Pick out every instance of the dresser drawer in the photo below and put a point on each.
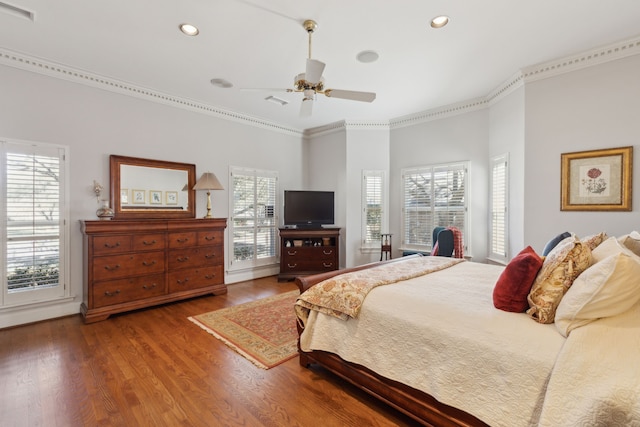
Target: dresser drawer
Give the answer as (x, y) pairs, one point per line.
(124, 290)
(116, 266)
(105, 245)
(182, 240)
(195, 278)
(319, 252)
(293, 265)
(208, 238)
(148, 242)
(195, 257)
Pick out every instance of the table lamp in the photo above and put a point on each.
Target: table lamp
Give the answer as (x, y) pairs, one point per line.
(208, 181)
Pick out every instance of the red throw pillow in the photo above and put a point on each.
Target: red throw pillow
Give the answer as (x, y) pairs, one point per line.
(514, 284)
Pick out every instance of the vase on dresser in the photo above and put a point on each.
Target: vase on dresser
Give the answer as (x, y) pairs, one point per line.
(104, 212)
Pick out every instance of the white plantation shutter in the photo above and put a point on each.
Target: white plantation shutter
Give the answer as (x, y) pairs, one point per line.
(433, 196)
(254, 217)
(33, 223)
(373, 207)
(499, 208)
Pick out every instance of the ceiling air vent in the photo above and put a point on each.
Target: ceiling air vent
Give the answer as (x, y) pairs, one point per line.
(16, 11)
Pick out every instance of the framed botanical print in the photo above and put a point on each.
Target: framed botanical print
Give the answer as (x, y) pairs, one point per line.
(139, 196)
(171, 197)
(597, 180)
(155, 197)
(124, 196)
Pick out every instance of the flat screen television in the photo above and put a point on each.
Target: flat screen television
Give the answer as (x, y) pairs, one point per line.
(308, 209)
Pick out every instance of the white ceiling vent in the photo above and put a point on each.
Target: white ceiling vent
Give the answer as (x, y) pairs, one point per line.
(276, 100)
(16, 11)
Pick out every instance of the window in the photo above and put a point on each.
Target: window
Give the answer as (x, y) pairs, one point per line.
(254, 218)
(433, 196)
(33, 223)
(498, 229)
(374, 212)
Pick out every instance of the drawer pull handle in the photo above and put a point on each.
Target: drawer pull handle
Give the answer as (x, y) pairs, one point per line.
(107, 245)
(183, 258)
(209, 276)
(185, 240)
(292, 252)
(209, 256)
(327, 265)
(148, 264)
(209, 238)
(110, 268)
(327, 252)
(182, 282)
(149, 287)
(112, 294)
(292, 265)
(153, 242)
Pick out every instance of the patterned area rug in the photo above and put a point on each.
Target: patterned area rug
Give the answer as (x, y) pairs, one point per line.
(263, 331)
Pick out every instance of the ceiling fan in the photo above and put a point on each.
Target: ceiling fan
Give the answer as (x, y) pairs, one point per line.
(311, 82)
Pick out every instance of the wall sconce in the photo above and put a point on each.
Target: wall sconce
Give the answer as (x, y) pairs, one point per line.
(208, 181)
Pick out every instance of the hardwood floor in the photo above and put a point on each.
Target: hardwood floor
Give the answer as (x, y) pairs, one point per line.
(153, 367)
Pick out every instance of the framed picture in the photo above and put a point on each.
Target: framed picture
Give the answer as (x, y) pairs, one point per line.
(155, 197)
(124, 196)
(171, 197)
(598, 180)
(139, 196)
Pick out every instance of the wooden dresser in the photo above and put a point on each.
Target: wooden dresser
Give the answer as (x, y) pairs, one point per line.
(130, 264)
(308, 251)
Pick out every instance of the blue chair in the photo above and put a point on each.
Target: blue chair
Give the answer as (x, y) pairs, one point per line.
(444, 237)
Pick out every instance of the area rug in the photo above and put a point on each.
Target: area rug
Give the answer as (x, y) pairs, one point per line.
(263, 331)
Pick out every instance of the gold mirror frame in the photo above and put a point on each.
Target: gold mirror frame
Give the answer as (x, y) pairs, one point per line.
(161, 210)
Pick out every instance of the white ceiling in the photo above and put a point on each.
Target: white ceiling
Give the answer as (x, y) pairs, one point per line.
(261, 44)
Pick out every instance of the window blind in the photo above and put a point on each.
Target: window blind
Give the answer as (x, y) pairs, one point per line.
(499, 207)
(373, 208)
(433, 196)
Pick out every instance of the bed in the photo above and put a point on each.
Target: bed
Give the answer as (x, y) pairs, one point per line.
(431, 343)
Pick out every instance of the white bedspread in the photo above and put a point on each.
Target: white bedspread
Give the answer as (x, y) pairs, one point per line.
(596, 381)
(441, 334)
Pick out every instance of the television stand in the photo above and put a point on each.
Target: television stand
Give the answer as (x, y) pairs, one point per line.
(305, 251)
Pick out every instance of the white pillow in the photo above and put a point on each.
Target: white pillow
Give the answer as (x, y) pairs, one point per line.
(607, 288)
(609, 247)
(631, 241)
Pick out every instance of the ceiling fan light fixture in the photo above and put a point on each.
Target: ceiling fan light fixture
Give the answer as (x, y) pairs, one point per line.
(439, 21)
(189, 29)
(225, 84)
(367, 56)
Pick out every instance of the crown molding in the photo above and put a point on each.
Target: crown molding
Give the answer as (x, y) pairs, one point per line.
(40, 66)
(526, 75)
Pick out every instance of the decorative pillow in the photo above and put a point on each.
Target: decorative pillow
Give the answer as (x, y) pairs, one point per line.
(554, 242)
(560, 268)
(608, 288)
(594, 240)
(611, 246)
(632, 242)
(514, 284)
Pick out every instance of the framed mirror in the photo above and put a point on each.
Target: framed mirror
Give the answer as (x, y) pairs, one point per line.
(148, 189)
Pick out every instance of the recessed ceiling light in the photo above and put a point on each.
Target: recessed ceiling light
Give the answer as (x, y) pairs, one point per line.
(439, 21)
(190, 30)
(367, 56)
(226, 84)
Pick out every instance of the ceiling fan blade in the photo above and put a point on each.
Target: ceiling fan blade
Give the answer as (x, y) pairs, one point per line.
(314, 70)
(306, 107)
(350, 94)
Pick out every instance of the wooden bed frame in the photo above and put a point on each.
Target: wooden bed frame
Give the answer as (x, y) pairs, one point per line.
(418, 405)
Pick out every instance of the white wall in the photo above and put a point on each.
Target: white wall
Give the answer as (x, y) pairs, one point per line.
(327, 172)
(506, 133)
(589, 109)
(458, 138)
(366, 149)
(95, 123)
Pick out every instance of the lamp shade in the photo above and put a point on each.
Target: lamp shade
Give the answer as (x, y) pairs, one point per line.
(208, 181)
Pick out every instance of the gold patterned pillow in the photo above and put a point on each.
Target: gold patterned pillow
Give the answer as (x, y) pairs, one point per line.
(594, 240)
(560, 268)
